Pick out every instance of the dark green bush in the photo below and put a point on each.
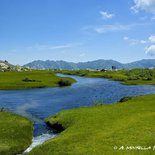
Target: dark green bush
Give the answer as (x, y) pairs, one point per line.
(63, 83)
(2, 109)
(30, 80)
(147, 79)
(133, 78)
(125, 99)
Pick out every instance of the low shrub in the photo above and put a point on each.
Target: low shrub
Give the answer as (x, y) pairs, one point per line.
(147, 79)
(133, 78)
(63, 83)
(125, 99)
(30, 80)
(2, 109)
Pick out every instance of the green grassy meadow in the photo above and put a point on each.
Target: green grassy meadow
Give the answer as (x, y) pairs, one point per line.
(15, 133)
(129, 77)
(37, 79)
(98, 129)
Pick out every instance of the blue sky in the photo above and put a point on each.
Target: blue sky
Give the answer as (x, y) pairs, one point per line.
(76, 30)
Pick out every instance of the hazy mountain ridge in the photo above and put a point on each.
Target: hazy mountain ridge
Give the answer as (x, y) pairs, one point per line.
(97, 64)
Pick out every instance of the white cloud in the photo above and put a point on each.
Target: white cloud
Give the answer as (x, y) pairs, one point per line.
(111, 28)
(82, 54)
(134, 41)
(150, 50)
(146, 5)
(106, 15)
(143, 41)
(125, 38)
(152, 38)
(153, 18)
(52, 47)
(61, 46)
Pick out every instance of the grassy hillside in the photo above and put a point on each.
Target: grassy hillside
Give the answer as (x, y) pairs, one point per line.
(30, 79)
(15, 133)
(97, 130)
(130, 77)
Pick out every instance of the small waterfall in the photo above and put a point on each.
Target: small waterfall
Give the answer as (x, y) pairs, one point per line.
(39, 140)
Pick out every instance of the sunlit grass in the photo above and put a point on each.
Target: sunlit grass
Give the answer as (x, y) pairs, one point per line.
(96, 130)
(39, 79)
(15, 133)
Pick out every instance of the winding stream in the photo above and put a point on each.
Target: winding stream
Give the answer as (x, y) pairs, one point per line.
(37, 104)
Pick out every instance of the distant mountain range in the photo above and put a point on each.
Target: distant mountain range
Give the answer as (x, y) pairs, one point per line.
(97, 64)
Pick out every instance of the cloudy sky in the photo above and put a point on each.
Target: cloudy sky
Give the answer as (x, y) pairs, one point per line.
(77, 30)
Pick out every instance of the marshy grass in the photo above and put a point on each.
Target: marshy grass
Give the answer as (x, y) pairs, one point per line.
(130, 77)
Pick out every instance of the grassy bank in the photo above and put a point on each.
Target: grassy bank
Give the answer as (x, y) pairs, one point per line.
(130, 77)
(15, 133)
(30, 79)
(96, 130)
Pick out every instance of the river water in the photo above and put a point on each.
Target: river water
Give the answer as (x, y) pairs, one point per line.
(37, 104)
